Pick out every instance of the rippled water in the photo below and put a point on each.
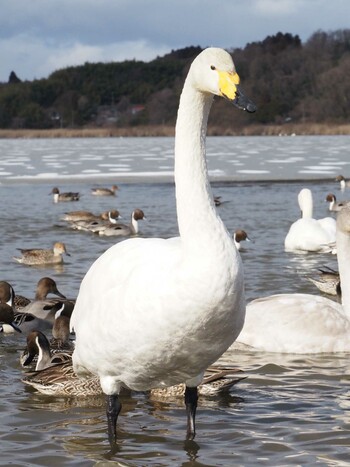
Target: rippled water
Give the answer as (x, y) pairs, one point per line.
(291, 410)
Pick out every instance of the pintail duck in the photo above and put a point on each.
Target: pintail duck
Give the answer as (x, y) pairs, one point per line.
(68, 196)
(7, 319)
(26, 322)
(61, 330)
(328, 282)
(75, 216)
(37, 257)
(47, 309)
(104, 191)
(239, 236)
(61, 380)
(308, 234)
(333, 205)
(39, 352)
(343, 183)
(45, 286)
(124, 229)
(192, 286)
(97, 225)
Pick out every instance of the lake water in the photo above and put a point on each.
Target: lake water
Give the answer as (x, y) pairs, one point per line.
(290, 410)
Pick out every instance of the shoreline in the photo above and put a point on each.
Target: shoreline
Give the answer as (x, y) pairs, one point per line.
(302, 129)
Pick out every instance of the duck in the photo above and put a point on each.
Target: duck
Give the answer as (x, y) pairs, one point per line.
(44, 287)
(68, 196)
(38, 350)
(23, 321)
(333, 205)
(328, 281)
(239, 236)
(308, 234)
(39, 256)
(7, 319)
(105, 191)
(216, 380)
(47, 309)
(97, 225)
(218, 201)
(60, 380)
(123, 229)
(75, 216)
(176, 304)
(304, 323)
(60, 330)
(343, 183)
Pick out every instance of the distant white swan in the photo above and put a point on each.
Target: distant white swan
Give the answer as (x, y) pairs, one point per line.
(308, 234)
(155, 312)
(303, 323)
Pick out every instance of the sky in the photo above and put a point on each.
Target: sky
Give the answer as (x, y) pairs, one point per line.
(38, 37)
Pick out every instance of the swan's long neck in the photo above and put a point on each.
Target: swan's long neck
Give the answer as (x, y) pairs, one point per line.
(197, 218)
(307, 209)
(343, 248)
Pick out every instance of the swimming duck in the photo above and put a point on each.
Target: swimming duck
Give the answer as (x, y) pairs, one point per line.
(123, 229)
(308, 234)
(176, 304)
(239, 236)
(303, 323)
(61, 330)
(97, 225)
(24, 321)
(7, 319)
(38, 350)
(343, 184)
(68, 196)
(105, 191)
(74, 216)
(328, 282)
(37, 256)
(60, 380)
(333, 205)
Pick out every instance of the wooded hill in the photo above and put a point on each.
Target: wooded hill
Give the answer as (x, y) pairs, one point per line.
(290, 81)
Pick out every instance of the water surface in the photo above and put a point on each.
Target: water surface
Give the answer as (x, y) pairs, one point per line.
(290, 410)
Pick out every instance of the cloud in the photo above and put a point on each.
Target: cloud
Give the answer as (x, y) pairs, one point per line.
(277, 7)
(35, 59)
(39, 36)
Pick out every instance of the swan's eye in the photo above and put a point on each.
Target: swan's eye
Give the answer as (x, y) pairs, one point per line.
(213, 67)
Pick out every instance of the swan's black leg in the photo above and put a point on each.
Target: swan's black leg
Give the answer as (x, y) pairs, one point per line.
(191, 398)
(113, 409)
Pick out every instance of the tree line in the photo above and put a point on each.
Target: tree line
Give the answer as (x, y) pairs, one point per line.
(287, 79)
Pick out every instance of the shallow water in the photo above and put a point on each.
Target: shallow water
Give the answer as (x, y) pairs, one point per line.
(291, 410)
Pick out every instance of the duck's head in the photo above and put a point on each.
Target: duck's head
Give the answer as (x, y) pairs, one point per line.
(213, 71)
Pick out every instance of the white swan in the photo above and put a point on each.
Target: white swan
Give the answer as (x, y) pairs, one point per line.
(308, 234)
(303, 323)
(155, 312)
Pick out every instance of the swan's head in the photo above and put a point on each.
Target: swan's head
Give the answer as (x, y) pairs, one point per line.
(213, 71)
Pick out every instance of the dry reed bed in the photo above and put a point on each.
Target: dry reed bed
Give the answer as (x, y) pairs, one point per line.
(142, 131)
